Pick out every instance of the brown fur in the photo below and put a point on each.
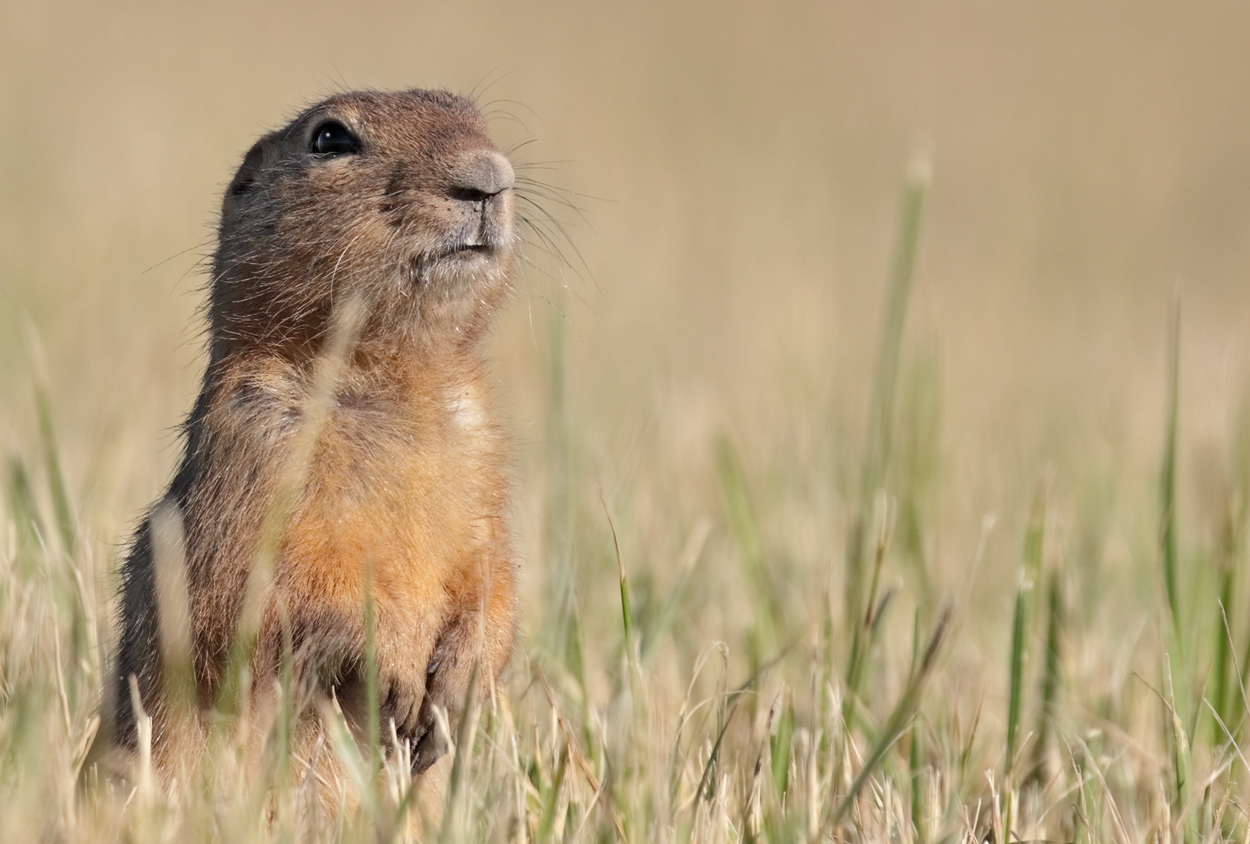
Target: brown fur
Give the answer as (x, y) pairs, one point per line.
(408, 476)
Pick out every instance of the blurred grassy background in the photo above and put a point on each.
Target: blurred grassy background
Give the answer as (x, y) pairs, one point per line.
(744, 162)
(739, 166)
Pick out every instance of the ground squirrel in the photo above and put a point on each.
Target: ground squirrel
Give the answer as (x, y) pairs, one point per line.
(400, 202)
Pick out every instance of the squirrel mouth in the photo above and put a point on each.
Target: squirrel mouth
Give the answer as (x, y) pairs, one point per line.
(480, 248)
(463, 251)
(479, 241)
(458, 255)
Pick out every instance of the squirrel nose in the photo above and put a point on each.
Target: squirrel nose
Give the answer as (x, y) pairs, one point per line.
(482, 174)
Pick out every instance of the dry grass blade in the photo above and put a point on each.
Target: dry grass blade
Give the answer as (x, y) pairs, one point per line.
(348, 319)
(174, 616)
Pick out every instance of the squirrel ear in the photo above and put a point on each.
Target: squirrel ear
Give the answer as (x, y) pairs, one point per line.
(255, 161)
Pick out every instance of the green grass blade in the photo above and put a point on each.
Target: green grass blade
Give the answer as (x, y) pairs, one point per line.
(52, 465)
(686, 564)
(551, 798)
(746, 532)
(627, 622)
(1226, 698)
(1050, 679)
(559, 523)
(1015, 694)
(886, 377)
(881, 414)
(902, 716)
(23, 509)
(915, 754)
(1178, 743)
(864, 633)
(1021, 636)
(1223, 669)
(1169, 542)
(781, 747)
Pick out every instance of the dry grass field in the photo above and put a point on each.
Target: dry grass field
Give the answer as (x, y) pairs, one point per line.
(814, 547)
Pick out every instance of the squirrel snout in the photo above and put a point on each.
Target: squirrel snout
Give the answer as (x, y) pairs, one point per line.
(481, 174)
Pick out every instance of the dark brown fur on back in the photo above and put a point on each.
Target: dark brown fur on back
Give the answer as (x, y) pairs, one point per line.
(408, 208)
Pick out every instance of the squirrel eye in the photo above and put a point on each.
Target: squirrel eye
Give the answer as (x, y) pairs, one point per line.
(333, 138)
